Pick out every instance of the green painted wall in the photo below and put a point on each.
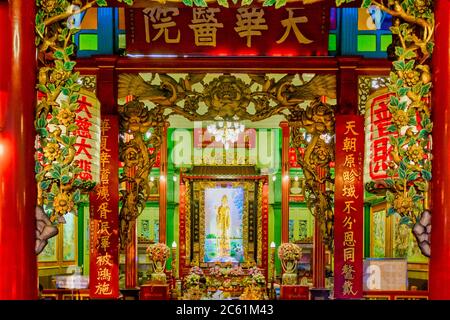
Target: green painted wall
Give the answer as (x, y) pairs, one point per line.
(86, 243)
(366, 230)
(80, 234)
(172, 195)
(277, 233)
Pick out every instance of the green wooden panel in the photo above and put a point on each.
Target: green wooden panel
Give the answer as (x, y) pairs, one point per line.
(277, 234)
(80, 234)
(88, 42)
(367, 43)
(385, 41)
(367, 231)
(332, 42)
(122, 41)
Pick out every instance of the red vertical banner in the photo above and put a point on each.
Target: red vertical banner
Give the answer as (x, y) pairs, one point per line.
(104, 214)
(265, 227)
(285, 181)
(349, 207)
(182, 227)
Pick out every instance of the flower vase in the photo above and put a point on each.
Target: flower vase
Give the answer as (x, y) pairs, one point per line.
(290, 272)
(158, 275)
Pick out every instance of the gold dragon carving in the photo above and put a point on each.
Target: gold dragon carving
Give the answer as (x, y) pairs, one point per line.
(312, 136)
(136, 124)
(226, 96)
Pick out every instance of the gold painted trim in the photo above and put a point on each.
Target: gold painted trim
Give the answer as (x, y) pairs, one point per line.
(410, 297)
(371, 297)
(259, 221)
(187, 224)
(224, 69)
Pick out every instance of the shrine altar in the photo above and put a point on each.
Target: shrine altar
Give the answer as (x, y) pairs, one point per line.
(226, 282)
(223, 218)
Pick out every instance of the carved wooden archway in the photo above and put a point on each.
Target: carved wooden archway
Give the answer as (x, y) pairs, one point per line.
(226, 97)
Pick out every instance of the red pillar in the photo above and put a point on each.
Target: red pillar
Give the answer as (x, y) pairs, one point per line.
(131, 258)
(439, 275)
(319, 250)
(163, 186)
(285, 182)
(18, 266)
(5, 55)
(347, 85)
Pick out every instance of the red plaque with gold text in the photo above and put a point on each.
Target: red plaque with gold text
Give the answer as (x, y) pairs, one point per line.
(216, 31)
(104, 200)
(349, 207)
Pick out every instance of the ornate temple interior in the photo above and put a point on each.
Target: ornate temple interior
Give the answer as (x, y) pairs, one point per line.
(258, 165)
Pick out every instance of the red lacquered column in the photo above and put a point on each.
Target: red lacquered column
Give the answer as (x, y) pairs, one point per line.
(439, 275)
(285, 182)
(319, 248)
(131, 259)
(163, 186)
(5, 57)
(18, 266)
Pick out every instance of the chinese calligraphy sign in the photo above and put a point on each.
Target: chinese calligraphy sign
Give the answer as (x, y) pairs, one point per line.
(378, 147)
(349, 207)
(216, 31)
(104, 237)
(88, 136)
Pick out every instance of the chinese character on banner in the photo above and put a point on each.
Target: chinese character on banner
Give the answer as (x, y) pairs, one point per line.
(212, 31)
(87, 145)
(349, 207)
(378, 148)
(205, 24)
(250, 22)
(162, 22)
(291, 24)
(104, 242)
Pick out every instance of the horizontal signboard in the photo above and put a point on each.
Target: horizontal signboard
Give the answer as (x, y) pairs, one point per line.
(215, 31)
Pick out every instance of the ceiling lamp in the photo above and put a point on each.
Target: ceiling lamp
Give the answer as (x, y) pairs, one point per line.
(226, 131)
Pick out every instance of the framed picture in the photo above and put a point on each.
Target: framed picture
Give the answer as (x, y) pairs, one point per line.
(50, 252)
(224, 212)
(154, 189)
(145, 229)
(69, 247)
(224, 223)
(301, 224)
(156, 230)
(296, 189)
(148, 225)
(291, 230)
(302, 229)
(378, 245)
(305, 263)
